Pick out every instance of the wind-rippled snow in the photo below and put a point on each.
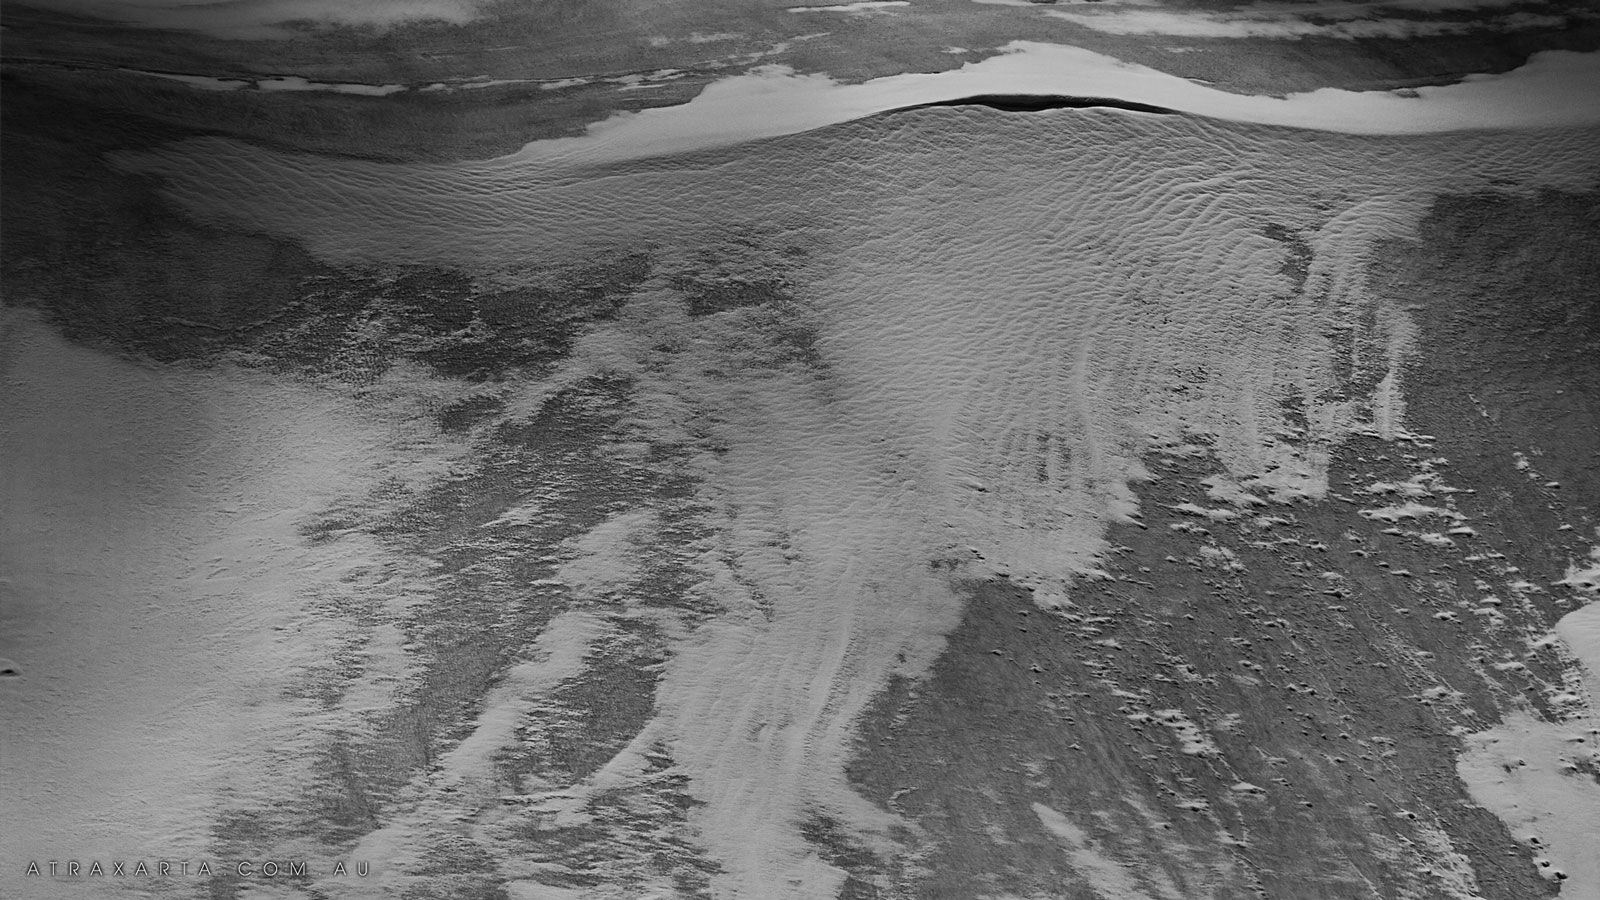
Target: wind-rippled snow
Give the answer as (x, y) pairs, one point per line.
(1010, 310)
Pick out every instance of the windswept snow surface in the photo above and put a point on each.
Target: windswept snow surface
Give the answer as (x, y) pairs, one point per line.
(161, 603)
(995, 318)
(1107, 876)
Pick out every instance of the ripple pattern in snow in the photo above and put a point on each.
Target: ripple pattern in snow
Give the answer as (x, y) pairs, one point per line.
(1008, 314)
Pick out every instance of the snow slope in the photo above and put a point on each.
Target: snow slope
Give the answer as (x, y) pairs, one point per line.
(1008, 314)
(161, 602)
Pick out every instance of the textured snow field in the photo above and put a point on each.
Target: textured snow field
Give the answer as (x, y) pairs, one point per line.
(160, 601)
(1011, 310)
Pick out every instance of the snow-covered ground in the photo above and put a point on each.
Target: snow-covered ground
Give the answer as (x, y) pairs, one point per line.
(1009, 314)
(161, 603)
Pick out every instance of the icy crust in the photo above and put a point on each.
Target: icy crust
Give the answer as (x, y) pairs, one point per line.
(1002, 317)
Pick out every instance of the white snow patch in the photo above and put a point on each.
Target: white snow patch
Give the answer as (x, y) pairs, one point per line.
(1524, 771)
(1521, 770)
(1192, 739)
(1418, 485)
(1387, 406)
(863, 6)
(1584, 577)
(1221, 557)
(1580, 631)
(1106, 875)
(605, 559)
(202, 82)
(563, 83)
(1225, 490)
(1215, 515)
(465, 781)
(1408, 510)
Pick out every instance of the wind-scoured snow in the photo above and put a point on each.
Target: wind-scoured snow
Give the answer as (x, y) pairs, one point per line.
(1108, 877)
(464, 783)
(997, 318)
(161, 602)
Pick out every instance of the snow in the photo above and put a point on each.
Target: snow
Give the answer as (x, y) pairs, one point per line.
(1225, 490)
(257, 19)
(1387, 406)
(862, 6)
(774, 100)
(296, 83)
(465, 780)
(1416, 486)
(1584, 576)
(1193, 741)
(1007, 319)
(1579, 630)
(603, 560)
(1339, 21)
(1105, 875)
(1010, 312)
(1523, 771)
(158, 596)
(1408, 510)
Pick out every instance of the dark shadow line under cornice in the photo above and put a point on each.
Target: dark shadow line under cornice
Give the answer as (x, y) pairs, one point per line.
(1038, 103)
